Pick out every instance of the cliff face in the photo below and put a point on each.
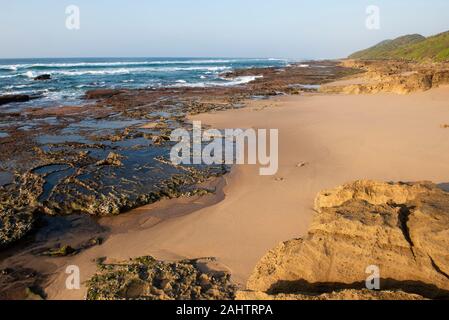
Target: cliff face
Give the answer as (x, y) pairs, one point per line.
(403, 229)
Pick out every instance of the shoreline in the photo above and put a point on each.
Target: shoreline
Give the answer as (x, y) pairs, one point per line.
(325, 140)
(238, 230)
(101, 144)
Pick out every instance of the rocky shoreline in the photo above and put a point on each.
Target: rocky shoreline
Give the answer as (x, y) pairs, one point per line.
(401, 77)
(110, 155)
(401, 228)
(78, 163)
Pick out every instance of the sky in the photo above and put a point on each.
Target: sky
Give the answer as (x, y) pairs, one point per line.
(296, 29)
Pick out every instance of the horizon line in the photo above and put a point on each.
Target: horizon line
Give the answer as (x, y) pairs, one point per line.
(153, 57)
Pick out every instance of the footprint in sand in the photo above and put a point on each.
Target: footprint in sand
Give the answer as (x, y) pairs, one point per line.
(302, 164)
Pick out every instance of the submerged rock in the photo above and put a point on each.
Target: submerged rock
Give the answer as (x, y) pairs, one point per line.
(42, 77)
(403, 229)
(113, 159)
(102, 93)
(148, 279)
(14, 98)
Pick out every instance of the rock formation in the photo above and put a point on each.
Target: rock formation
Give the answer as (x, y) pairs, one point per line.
(148, 279)
(102, 93)
(340, 295)
(14, 98)
(17, 207)
(392, 76)
(402, 228)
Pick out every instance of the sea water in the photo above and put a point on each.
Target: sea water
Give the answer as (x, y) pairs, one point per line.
(70, 78)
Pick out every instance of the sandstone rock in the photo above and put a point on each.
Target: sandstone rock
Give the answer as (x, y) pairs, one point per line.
(376, 193)
(340, 295)
(401, 228)
(392, 76)
(113, 159)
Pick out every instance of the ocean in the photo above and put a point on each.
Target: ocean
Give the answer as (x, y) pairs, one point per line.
(70, 78)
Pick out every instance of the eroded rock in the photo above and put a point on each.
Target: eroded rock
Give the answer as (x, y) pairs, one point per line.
(113, 159)
(148, 279)
(401, 228)
(14, 98)
(340, 295)
(18, 203)
(391, 76)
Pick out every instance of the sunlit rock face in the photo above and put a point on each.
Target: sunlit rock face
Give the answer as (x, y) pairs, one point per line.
(403, 229)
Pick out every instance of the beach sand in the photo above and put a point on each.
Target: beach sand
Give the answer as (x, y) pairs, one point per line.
(337, 138)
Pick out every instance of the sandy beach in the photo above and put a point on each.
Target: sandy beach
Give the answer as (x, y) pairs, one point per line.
(325, 140)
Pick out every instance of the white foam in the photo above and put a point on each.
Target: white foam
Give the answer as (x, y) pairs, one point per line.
(15, 67)
(9, 67)
(229, 82)
(29, 74)
(137, 70)
(112, 64)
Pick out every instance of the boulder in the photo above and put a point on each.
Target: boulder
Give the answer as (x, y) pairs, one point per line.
(401, 228)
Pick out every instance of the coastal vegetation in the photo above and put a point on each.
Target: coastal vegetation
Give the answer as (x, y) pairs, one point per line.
(412, 47)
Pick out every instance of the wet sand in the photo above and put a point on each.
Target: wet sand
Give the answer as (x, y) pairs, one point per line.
(339, 138)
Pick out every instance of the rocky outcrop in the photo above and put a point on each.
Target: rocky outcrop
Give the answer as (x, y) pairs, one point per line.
(14, 98)
(403, 229)
(340, 295)
(102, 93)
(21, 284)
(392, 76)
(18, 203)
(149, 279)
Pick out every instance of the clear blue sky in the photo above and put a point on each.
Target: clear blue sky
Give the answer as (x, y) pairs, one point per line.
(221, 28)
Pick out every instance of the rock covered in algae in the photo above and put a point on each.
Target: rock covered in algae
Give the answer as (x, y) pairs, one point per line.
(18, 202)
(146, 278)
